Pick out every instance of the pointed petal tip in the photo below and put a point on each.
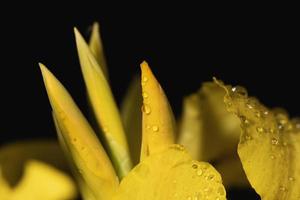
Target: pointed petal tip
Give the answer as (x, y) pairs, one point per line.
(45, 71)
(146, 70)
(144, 65)
(96, 26)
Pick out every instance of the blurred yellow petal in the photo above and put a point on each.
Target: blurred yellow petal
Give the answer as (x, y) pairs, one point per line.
(210, 133)
(171, 174)
(20, 175)
(5, 190)
(14, 156)
(104, 107)
(269, 146)
(132, 118)
(191, 127)
(87, 152)
(41, 181)
(219, 131)
(96, 47)
(158, 119)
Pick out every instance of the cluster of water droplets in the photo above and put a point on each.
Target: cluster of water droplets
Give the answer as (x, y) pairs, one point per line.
(210, 191)
(258, 121)
(146, 107)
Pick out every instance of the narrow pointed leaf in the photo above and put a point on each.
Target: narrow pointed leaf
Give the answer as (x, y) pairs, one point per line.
(105, 108)
(269, 146)
(87, 152)
(96, 47)
(171, 174)
(132, 118)
(158, 119)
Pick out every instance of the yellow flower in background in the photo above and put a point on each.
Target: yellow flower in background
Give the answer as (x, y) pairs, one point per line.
(148, 154)
(34, 170)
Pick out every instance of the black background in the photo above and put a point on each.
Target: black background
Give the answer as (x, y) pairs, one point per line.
(252, 45)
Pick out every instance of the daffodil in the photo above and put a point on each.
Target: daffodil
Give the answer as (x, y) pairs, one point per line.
(104, 169)
(142, 152)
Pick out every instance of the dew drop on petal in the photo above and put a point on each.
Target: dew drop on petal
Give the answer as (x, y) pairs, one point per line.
(146, 109)
(155, 128)
(274, 141)
(239, 91)
(145, 95)
(199, 172)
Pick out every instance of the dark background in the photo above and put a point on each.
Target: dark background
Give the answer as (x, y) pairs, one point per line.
(253, 46)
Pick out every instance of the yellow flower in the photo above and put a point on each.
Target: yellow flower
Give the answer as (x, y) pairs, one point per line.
(141, 152)
(104, 170)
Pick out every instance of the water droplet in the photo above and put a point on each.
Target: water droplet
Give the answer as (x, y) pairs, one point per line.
(282, 188)
(296, 123)
(291, 179)
(260, 129)
(145, 79)
(178, 147)
(248, 137)
(274, 141)
(199, 172)
(266, 112)
(148, 126)
(244, 120)
(251, 103)
(145, 95)
(239, 91)
(210, 177)
(257, 114)
(221, 191)
(146, 109)
(155, 128)
(105, 129)
(272, 157)
(194, 166)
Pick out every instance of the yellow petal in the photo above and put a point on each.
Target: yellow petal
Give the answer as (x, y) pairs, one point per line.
(14, 156)
(171, 174)
(20, 175)
(158, 119)
(269, 146)
(41, 181)
(96, 47)
(132, 118)
(87, 152)
(5, 190)
(104, 107)
(191, 127)
(219, 130)
(210, 133)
